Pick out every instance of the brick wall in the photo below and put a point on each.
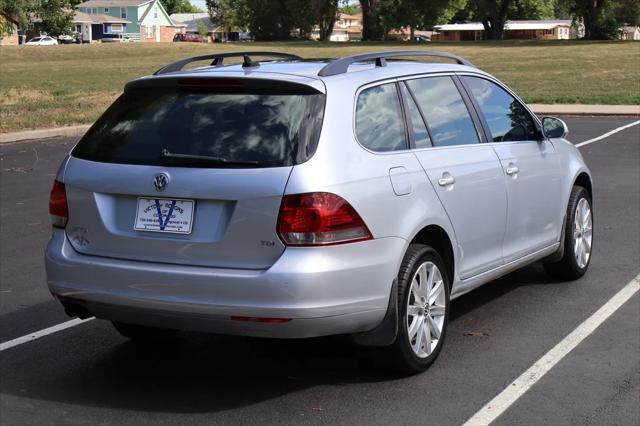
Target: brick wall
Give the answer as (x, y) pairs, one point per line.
(166, 34)
(11, 40)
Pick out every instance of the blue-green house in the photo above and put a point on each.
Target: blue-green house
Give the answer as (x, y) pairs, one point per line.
(144, 20)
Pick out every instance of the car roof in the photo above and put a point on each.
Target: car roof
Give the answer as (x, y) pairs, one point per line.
(306, 71)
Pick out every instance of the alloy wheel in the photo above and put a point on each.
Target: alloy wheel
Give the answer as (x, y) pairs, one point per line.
(426, 309)
(582, 233)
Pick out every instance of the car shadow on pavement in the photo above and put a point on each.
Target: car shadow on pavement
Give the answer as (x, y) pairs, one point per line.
(531, 275)
(91, 365)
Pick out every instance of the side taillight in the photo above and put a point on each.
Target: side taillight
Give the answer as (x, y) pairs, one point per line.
(58, 205)
(319, 218)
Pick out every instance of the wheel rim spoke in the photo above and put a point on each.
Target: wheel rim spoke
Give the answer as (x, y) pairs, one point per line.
(429, 283)
(586, 220)
(413, 310)
(434, 328)
(415, 326)
(436, 290)
(419, 337)
(576, 248)
(437, 311)
(426, 337)
(422, 278)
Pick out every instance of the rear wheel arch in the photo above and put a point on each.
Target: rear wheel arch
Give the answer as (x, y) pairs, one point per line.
(437, 238)
(386, 332)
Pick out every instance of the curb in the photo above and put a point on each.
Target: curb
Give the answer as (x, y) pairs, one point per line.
(539, 109)
(70, 131)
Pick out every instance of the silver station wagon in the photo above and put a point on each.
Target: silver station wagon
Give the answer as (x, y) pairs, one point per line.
(295, 198)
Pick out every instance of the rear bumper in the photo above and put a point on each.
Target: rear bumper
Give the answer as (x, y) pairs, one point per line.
(324, 290)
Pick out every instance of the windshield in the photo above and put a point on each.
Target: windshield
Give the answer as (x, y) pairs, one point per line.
(258, 129)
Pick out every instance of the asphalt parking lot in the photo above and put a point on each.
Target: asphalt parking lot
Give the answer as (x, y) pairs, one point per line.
(88, 374)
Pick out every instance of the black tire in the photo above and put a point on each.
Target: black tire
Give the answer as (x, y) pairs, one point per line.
(568, 268)
(404, 357)
(143, 333)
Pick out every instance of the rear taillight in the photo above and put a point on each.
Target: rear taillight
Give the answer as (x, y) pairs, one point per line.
(58, 205)
(319, 218)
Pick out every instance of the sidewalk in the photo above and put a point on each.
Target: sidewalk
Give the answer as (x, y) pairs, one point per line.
(578, 109)
(540, 109)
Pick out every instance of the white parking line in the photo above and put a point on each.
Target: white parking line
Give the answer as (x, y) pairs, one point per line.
(498, 405)
(42, 333)
(606, 135)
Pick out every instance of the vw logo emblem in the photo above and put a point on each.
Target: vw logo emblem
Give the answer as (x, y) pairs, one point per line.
(161, 181)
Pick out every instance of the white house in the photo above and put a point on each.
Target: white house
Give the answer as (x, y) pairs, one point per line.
(554, 29)
(629, 33)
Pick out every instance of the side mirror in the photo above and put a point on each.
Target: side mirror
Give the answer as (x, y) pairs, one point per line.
(553, 127)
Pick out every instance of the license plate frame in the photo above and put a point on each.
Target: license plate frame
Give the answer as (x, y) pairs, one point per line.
(148, 219)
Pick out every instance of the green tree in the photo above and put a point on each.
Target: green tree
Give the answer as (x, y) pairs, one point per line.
(202, 30)
(372, 27)
(418, 14)
(323, 13)
(349, 9)
(179, 6)
(18, 10)
(627, 12)
(532, 9)
(56, 16)
(599, 16)
(492, 14)
(274, 19)
(229, 13)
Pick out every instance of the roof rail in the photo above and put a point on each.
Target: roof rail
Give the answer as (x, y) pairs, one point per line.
(218, 59)
(340, 66)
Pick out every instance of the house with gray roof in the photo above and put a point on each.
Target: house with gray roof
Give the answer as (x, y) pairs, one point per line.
(147, 20)
(94, 27)
(191, 22)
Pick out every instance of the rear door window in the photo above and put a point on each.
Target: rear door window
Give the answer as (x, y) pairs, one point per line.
(507, 119)
(379, 121)
(444, 109)
(421, 137)
(255, 128)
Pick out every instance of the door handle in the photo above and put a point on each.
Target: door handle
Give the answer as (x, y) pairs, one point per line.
(446, 180)
(512, 170)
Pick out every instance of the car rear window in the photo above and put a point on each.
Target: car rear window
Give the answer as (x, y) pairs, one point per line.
(246, 128)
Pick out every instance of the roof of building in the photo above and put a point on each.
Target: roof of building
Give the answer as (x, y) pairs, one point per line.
(98, 18)
(346, 16)
(629, 29)
(113, 3)
(509, 25)
(191, 21)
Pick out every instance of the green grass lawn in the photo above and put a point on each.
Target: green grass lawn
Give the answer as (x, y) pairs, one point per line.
(47, 86)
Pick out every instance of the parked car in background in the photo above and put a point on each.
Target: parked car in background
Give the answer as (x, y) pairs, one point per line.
(187, 38)
(419, 39)
(68, 39)
(42, 41)
(295, 199)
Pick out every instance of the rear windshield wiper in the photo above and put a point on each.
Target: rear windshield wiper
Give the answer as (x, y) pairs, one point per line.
(206, 159)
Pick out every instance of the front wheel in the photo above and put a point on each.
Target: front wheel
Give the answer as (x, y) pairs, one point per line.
(423, 309)
(578, 238)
